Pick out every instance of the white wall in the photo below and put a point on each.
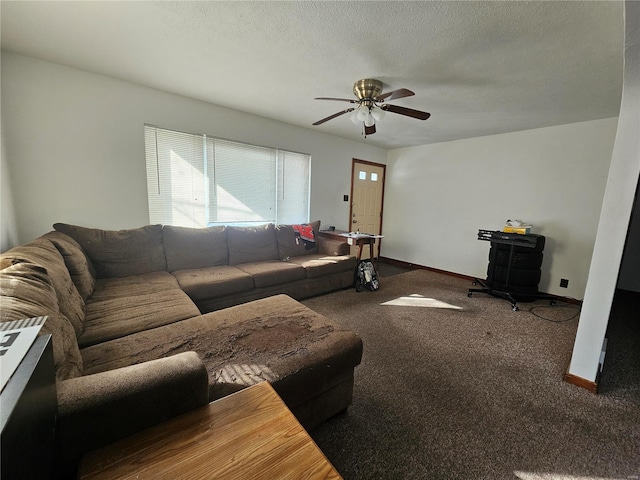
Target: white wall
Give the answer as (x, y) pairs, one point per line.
(616, 211)
(8, 227)
(75, 146)
(439, 195)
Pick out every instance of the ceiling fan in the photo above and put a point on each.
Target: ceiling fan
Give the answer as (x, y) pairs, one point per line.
(371, 106)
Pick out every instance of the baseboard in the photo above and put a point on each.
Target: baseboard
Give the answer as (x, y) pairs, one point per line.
(581, 382)
(414, 266)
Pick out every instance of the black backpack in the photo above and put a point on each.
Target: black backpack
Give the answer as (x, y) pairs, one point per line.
(366, 277)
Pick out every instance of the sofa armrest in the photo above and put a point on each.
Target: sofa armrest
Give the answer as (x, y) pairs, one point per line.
(95, 410)
(332, 246)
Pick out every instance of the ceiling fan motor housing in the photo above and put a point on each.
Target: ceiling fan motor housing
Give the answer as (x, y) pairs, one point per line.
(367, 89)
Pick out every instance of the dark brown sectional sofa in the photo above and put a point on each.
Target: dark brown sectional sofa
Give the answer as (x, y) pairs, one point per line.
(151, 322)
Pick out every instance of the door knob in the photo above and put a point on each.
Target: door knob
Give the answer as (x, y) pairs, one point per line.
(354, 221)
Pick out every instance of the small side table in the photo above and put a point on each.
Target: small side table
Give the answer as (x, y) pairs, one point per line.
(248, 434)
(358, 239)
(28, 411)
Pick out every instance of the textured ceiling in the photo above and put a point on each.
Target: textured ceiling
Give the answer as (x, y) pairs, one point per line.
(479, 68)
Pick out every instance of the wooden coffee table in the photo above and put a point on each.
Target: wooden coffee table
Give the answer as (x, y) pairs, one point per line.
(250, 434)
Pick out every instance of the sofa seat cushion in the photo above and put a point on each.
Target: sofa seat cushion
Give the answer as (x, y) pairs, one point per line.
(118, 317)
(112, 288)
(299, 351)
(120, 253)
(201, 283)
(321, 265)
(269, 273)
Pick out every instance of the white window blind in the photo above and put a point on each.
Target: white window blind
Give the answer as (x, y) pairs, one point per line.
(197, 180)
(244, 189)
(176, 178)
(294, 176)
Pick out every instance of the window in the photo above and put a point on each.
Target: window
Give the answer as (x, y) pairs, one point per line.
(362, 175)
(196, 181)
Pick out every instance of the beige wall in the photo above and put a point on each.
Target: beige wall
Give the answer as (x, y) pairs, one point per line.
(439, 196)
(8, 227)
(75, 146)
(75, 152)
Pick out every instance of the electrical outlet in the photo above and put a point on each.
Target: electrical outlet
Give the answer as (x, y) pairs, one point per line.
(564, 283)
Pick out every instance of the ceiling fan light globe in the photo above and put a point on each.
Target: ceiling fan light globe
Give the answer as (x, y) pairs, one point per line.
(377, 113)
(369, 121)
(362, 114)
(354, 117)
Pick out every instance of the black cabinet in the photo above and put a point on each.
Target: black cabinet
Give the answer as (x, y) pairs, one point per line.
(28, 409)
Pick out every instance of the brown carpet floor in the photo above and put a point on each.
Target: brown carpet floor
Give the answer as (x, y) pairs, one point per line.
(469, 389)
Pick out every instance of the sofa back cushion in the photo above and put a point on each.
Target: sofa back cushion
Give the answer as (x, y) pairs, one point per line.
(43, 253)
(26, 291)
(189, 248)
(252, 244)
(120, 253)
(289, 245)
(81, 269)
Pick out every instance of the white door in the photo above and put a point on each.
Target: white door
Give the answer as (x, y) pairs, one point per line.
(367, 192)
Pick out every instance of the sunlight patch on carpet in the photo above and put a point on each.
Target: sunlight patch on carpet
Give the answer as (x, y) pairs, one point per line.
(416, 300)
(563, 476)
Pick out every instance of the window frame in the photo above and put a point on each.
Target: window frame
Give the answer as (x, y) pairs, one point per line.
(168, 208)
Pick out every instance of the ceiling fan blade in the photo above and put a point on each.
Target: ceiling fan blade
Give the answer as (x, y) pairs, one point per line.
(400, 93)
(409, 112)
(319, 122)
(369, 130)
(337, 99)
